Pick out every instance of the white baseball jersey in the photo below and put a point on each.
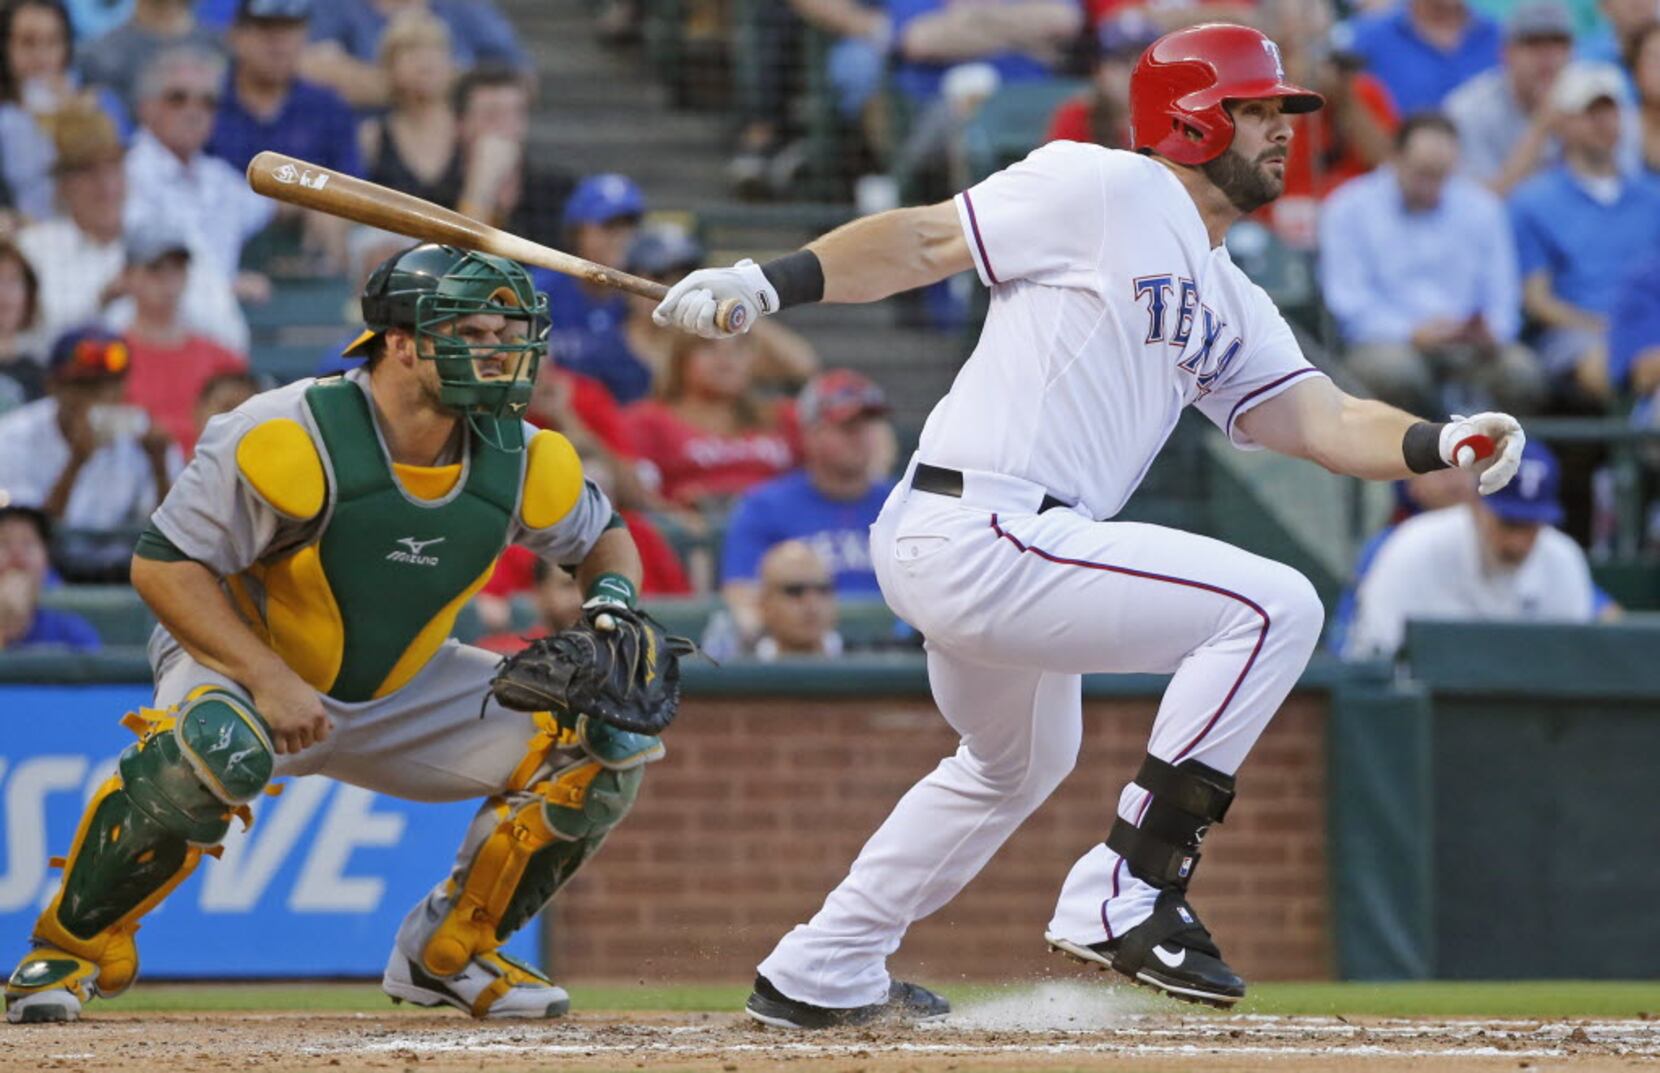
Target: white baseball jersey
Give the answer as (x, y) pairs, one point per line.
(1431, 568)
(1110, 312)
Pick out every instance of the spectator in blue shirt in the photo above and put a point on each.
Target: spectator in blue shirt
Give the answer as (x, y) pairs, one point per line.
(345, 41)
(267, 106)
(1418, 266)
(828, 504)
(24, 623)
(600, 221)
(1023, 39)
(1423, 49)
(1634, 338)
(1579, 226)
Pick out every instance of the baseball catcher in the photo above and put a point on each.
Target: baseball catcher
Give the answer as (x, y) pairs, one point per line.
(306, 570)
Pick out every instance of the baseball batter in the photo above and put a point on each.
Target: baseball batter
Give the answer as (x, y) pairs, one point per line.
(1114, 305)
(306, 569)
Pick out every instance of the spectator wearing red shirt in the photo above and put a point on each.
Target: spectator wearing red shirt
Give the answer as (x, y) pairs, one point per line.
(1350, 136)
(170, 364)
(1101, 114)
(709, 438)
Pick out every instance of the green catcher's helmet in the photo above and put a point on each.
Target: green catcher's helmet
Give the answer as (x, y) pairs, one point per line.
(423, 289)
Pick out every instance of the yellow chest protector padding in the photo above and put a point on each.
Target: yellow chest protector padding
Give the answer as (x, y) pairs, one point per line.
(553, 480)
(280, 463)
(427, 482)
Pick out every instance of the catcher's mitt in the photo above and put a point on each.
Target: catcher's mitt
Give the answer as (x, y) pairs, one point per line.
(628, 676)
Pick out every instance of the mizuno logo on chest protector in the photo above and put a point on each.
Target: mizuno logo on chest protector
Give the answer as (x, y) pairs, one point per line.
(413, 552)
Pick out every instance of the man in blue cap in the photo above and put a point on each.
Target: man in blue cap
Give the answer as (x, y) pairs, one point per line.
(601, 219)
(1498, 558)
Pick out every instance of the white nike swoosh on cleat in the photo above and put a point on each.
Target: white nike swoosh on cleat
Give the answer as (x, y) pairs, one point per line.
(1169, 961)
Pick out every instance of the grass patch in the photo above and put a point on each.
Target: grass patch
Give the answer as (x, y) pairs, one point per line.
(1529, 998)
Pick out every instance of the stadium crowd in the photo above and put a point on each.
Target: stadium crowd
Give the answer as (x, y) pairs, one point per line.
(1479, 204)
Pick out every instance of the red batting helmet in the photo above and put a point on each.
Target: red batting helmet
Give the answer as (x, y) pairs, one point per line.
(1184, 77)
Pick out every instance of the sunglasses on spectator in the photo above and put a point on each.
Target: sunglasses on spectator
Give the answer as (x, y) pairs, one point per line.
(178, 98)
(795, 590)
(96, 358)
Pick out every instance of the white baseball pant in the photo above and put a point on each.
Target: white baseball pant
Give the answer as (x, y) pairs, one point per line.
(1016, 606)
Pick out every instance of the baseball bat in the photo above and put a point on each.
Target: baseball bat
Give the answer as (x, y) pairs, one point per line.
(1472, 449)
(312, 186)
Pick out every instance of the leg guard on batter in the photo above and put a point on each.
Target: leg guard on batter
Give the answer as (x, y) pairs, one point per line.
(172, 799)
(1170, 950)
(575, 786)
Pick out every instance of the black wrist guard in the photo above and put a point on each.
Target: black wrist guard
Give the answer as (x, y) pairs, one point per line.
(797, 277)
(1421, 447)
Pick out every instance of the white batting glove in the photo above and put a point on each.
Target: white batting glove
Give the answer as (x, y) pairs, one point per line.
(690, 304)
(1493, 470)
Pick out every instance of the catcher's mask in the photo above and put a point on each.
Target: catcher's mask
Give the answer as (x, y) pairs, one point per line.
(428, 290)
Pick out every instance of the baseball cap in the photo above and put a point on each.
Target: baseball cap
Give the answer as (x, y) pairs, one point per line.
(83, 354)
(1581, 85)
(33, 515)
(83, 135)
(150, 241)
(839, 395)
(1536, 20)
(599, 199)
(273, 10)
(659, 251)
(1533, 493)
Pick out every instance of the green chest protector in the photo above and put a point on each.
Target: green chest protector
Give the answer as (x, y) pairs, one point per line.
(397, 566)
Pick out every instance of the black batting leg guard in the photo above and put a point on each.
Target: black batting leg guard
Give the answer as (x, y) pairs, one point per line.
(1171, 950)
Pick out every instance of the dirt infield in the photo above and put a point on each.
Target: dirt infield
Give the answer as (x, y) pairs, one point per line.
(1049, 1030)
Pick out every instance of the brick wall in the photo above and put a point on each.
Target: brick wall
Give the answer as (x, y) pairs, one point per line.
(762, 805)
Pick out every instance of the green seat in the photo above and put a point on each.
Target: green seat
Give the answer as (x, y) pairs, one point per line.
(115, 611)
(286, 361)
(1012, 122)
(321, 301)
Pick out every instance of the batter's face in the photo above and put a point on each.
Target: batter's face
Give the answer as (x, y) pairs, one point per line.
(1252, 171)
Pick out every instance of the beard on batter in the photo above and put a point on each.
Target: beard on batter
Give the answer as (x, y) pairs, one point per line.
(1248, 184)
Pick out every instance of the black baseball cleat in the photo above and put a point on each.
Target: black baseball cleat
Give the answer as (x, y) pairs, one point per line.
(906, 1003)
(1170, 951)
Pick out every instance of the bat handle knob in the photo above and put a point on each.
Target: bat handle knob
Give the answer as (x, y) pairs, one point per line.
(1472, 449)
(732, 315)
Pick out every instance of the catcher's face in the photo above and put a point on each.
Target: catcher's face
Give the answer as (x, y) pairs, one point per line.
(495, 342)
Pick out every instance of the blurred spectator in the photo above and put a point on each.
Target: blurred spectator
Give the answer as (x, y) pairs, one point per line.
(558, 601)
(1101, 114)
(1626, 19)
(783, 358)
(797, 605)
(78, 257)
(1023, 40)
(1168, 15)
(22, 376)
(1423, 49)
(268, 106)
(80, 455)
(24, 538)
(116, 59)
(828, 504)
(502, 184)
(1579, 225)
(171, 180)
(1418, 266)
(222, 393)
(1495, 558)
(415, 145)
(346, 40)
(36, 83)
(601, 219)
(770, 55)
(170, 363)
(709, 438)
(1645, 72)
(1506, 126)
(1350, 136)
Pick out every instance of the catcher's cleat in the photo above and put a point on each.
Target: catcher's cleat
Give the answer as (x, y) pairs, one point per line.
(905, 1003)
(1170, 951)
(492, 985)
(50, 985)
